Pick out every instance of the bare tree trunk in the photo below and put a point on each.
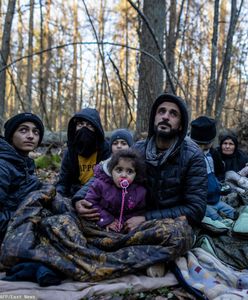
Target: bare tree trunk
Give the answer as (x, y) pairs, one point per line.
(183, 35)
(48, 59)
(241, 92)
(227, 58)
(150, 73)
(58, 115)
(99, 78)
(198, 93)
(75, 64)
(30, 56)
(5, 55)
(81, 80)
(44, 71)
(124, 119)
(41, 85)
(212, 83)
(20, 66)
(171, 41)
(1, 11)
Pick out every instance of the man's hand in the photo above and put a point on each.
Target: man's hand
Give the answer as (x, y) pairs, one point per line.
(84, 210)
(114, 226)
(133, 222)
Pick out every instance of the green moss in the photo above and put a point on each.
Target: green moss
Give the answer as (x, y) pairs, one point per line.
(48, 161)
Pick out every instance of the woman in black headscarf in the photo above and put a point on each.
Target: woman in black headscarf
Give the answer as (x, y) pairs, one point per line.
(234, 158)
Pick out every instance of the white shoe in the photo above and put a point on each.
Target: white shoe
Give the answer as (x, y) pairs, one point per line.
(157, 270)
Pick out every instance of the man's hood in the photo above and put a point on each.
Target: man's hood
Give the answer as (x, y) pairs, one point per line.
(89, 114)
(183, 109)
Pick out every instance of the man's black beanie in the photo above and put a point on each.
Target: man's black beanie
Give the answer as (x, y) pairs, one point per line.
(203, 130)
(11, 125)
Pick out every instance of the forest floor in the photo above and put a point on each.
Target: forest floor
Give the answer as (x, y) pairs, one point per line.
(175, 293)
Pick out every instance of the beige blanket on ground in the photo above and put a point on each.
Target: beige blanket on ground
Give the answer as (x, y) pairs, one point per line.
(199, 268)
(79, 290)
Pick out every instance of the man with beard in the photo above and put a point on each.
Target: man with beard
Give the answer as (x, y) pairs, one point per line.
(86, 147)
(177, 181)
(176, 170)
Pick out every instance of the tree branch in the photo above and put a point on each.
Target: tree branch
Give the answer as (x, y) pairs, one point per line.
(122, 89)
(81, 43)
(102, 59)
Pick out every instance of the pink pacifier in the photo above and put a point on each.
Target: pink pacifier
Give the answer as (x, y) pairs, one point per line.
(124, 183)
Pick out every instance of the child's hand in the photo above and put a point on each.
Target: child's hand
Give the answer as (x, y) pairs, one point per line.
(114, 226)
(134, 222)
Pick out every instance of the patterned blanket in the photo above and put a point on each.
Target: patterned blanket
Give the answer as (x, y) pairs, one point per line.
(46, 229)
(214, 278)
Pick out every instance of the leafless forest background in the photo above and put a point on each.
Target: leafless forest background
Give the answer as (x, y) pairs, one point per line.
(119, 55)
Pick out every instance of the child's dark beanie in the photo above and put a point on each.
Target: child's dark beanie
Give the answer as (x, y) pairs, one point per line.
(11, 125)
(123, 134)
